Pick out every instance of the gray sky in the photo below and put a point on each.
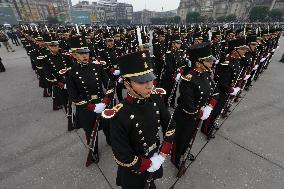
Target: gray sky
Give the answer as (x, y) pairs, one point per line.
(150, 4)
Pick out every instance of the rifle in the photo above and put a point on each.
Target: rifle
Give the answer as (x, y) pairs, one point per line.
(93, 138)
(91, 146)
(172, 93)
(70, 115)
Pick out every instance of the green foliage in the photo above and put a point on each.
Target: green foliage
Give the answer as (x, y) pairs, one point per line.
(165, 20)
(275, 15)
(111, 22)
(123, 22)
(194, 17)
(259, 13)
(52, 20)
(229, 18)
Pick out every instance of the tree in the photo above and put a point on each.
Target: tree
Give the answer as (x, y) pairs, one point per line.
(176, 19)
(52, 20)
(275, 15)
(221, 19)
(111, 22)
(231, 18)
(193, 17)
(123, 22)
(258, 13)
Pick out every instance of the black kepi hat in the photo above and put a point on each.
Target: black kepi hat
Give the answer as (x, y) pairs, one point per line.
(200, 51)
(136, 66)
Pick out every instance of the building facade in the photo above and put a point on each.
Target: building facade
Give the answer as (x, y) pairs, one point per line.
(217, 8)
(106, 10)
(39, 10)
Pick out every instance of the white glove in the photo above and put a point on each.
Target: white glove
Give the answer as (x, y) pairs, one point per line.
(96, 62)
(273, 50)
(99, 108)
(120, 80)
(263, 59)
(277, 47)
(255, 67)
(157, 161)
(247, 77)
(65, 87)
(116, 72)
(268, 55)
(178, 77)
(217, 61)
(206, 112)
(236, 90)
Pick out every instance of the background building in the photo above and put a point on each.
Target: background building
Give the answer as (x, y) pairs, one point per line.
(38, 10)
(107, 10)
(217, 8)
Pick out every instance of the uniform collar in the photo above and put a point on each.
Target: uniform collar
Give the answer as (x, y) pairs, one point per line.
(84, 64)
(135, 100)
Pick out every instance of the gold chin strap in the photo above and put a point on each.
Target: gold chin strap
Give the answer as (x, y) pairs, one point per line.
(134, 90)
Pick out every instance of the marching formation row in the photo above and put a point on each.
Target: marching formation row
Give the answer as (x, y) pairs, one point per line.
(199, 71)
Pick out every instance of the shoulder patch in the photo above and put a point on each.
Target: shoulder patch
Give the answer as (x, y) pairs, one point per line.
(63, 71)
(110, 113)
(159, 91)
(187, 77)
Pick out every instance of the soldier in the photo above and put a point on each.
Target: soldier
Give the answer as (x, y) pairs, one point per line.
(135, 125)
(40, 53)
(196, 88)
(228, 73)
(85, 82)
(174, 64)
(55, 68)
(159, 50)
(253, 54)
(109, 57)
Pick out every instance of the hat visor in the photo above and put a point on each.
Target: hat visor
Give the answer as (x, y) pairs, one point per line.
(82, 50)
(211, 59)
(144, 78)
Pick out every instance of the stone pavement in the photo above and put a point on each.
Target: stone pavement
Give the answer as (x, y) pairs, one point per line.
(38, 152)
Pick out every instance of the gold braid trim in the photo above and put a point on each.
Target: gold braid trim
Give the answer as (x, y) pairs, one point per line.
(80, 103)
(126, 164)
(171, 132)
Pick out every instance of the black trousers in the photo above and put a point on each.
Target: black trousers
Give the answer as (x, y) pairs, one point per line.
(186, 126)
(2, 68)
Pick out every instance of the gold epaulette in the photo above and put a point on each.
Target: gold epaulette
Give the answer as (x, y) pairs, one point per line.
(159, 91)
(110, 113)
(188, 77)
(225, 63)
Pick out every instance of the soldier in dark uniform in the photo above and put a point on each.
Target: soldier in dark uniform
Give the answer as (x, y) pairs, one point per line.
(215, 39)
(63, 42)
(119, 44)
(40, 53)
(159, 50)
(174, 67)
(135, 125)
(85, 82)
(109, 57)
(196, 88)
(55, 68)
(253, 55)
(197, 38)
(228, 75)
